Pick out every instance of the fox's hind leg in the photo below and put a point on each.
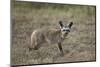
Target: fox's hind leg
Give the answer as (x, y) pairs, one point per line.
(34, 44)
(33, 47)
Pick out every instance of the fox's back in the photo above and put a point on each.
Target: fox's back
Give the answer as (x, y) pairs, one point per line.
(50, 35)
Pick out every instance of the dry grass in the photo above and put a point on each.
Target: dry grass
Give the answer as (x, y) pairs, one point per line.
(79, 45)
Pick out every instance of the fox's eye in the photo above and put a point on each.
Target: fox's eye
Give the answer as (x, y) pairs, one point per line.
(64, 30)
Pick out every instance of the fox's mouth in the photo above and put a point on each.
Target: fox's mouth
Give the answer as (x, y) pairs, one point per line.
(64, 35)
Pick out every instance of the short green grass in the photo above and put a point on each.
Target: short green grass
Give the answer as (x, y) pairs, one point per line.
(78, 46)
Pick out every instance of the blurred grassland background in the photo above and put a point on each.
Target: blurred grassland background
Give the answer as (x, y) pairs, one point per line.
(80, 44)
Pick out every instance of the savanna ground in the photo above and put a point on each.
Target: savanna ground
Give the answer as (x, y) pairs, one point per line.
(80, 43)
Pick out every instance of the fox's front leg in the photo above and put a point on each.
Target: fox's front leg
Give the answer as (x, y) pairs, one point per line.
(60, 48)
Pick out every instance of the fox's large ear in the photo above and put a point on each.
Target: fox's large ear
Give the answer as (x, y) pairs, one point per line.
(60, 23)
(70, 25)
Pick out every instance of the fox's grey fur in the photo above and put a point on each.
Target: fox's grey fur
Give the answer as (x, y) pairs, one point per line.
(50, 36)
